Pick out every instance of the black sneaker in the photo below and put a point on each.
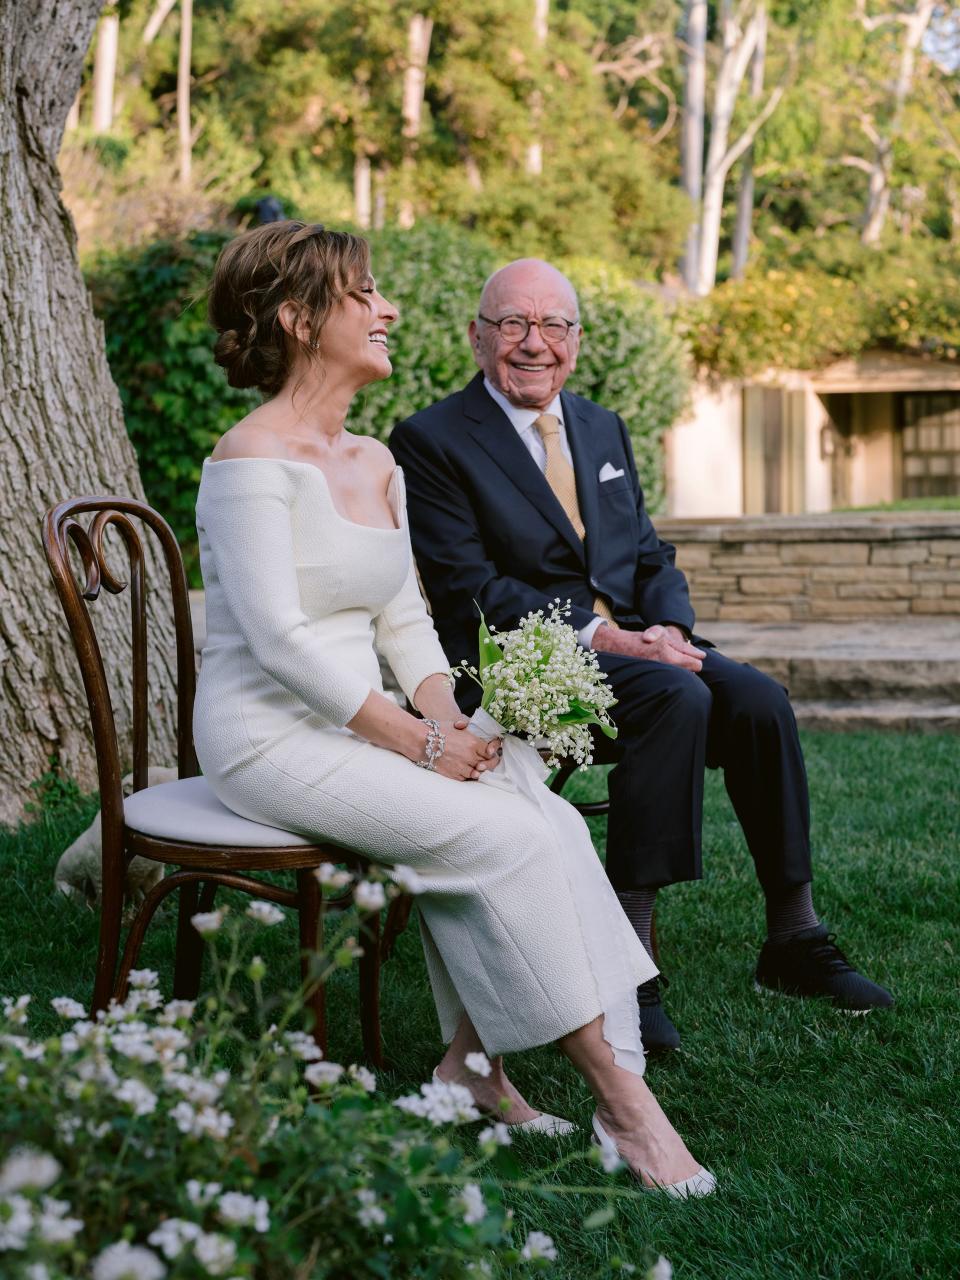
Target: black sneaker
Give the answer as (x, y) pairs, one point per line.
(658, 1032)
(811, 964)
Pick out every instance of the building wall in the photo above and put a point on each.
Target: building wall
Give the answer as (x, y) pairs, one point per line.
(704, 455)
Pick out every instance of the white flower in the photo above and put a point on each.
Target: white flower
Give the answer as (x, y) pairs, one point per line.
(124, 1261)
(539, 1245)
(53, 1226)
(478, 1063)
(474, 1207)
(15, 1011)
(661, 1270)
(215, 1252)
(369, 895)
(328, 875)
(303, 1046)
(408, 879)
(131, 1041)
(27, 1048)
(172, 1235)
(237, 1209)
(135, 1094)
(37, 1271)
(141, 979)
(168, 1042)
(440, 1103)
(16, 1220)
(202, 1193)
(175, 1010)
(363, 1077)
(318, 1073)
(203, 1091)
(498, 1134)
(207, 923)
(370, 1214)
(609, 1158)
(264, 912)
(68, 1008)
(27, 1167)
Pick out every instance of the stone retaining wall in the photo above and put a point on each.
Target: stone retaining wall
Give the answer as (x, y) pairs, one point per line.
(796, 568)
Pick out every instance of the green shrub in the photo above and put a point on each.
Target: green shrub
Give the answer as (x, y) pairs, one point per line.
(177, 401)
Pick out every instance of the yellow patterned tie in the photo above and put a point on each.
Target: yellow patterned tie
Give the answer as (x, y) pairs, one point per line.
(563, 482)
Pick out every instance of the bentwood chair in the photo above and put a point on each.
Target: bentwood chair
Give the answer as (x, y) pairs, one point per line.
(182, 823)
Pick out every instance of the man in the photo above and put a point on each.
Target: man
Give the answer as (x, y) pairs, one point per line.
(520, 492)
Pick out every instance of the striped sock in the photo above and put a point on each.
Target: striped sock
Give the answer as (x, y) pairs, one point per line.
(638, 905)
(789, 912)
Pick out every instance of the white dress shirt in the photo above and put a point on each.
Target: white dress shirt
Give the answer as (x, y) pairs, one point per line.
(522, 421)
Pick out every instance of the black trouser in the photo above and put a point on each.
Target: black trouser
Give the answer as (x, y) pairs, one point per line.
(673, 724)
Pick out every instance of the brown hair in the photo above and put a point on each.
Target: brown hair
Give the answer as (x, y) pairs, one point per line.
(261, 269)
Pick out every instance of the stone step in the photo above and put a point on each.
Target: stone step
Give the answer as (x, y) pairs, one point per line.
(864, 679)
(844, 716)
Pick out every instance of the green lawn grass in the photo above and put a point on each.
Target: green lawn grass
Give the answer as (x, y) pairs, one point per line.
(946, 502)
(836, 1139)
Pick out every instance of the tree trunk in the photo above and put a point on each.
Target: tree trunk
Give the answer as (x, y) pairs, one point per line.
(105, 72)
(541, 20)
(691, 137)
(362, 202)
(419, 33)
(744, 223)
(61, 425)
(183, 91)
(881, 173)
(738, 46)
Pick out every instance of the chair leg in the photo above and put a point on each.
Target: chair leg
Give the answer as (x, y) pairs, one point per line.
(370, 990)
(188, 958)
(310, 904)
(398, 916)
(108, 950)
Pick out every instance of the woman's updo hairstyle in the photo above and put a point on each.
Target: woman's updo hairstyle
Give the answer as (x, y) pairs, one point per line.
(299, 262)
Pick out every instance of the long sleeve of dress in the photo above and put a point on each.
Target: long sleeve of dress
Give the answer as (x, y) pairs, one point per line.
(406, 637)
(247, 521)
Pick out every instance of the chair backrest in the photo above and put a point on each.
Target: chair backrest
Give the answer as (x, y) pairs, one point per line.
(61, 527)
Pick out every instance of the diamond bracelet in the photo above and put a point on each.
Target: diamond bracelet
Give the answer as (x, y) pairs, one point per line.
(434, 747)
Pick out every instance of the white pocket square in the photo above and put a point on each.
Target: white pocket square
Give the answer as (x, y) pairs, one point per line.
(609, 472)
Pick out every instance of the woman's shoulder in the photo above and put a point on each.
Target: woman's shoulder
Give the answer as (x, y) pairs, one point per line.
(249, 438)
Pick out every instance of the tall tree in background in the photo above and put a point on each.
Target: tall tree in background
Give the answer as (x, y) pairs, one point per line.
(541, 22)
(419, 31)
(692, 127)
(61, 426)
(184, 62)
(105, 70)
(882, 122)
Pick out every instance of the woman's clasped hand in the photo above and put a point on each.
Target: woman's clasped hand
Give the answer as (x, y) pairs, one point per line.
(465, 757)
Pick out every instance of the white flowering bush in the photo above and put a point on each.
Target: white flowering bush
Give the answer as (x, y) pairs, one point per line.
(540, 683)
(163, 1139)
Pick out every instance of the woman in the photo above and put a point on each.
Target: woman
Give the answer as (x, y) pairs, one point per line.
(306, 562)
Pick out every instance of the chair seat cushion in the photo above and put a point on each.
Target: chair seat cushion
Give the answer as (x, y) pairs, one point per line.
(188, 810)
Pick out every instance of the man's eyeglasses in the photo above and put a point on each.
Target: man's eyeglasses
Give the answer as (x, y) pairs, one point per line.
(516, 328)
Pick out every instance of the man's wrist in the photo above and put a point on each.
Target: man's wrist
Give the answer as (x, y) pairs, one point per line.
(585, 634)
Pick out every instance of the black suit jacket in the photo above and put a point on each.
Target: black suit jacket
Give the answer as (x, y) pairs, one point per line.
(488, 531)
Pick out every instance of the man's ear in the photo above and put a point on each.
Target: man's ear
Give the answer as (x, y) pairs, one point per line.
(576, 347)
(473, 332)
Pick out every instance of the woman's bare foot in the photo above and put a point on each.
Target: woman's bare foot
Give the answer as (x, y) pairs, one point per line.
(494, 1094)
(646, 1139)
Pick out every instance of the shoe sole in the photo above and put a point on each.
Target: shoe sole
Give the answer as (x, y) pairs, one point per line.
(772, 991)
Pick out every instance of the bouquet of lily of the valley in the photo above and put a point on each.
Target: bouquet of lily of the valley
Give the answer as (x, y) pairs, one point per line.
(539, 683)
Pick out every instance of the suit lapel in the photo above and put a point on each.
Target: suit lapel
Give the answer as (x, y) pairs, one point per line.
(585, 469)
(496, 435)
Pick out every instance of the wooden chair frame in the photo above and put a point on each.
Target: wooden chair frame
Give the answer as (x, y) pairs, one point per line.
(201, 868)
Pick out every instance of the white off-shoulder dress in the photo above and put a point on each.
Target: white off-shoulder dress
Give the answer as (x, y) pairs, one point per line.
(521, 927)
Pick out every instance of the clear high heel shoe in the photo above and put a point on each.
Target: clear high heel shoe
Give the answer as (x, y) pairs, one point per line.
(553, 1126)
(701, 1183)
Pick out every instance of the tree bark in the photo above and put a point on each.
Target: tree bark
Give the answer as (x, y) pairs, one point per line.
(61, 425)
(691, 137)
(105, 72)
(183, 91)
(419, 34)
